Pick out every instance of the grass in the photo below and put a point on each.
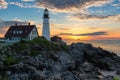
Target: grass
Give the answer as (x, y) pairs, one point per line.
(10, 61)
(34, 53)
(115, 78)
(4, 77)
(34, 47)
(49, 45)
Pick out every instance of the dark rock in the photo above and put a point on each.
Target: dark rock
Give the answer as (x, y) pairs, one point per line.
(18, 76)
(77, 55)
(118, 72)
(108, 77)
(103, 60)
(38, 75)
(8, 73)
(3, 57)
(88, 77)
(68, 76)
(65, 59)
(1, 65)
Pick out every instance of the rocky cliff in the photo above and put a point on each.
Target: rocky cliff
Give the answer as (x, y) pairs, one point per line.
(43, 60)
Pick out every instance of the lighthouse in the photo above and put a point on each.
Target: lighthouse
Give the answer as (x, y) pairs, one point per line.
(46, 27)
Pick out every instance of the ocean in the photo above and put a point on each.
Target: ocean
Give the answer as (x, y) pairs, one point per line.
(110, 45)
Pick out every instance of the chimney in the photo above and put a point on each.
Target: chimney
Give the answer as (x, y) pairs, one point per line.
(15, 24)
(29, 24)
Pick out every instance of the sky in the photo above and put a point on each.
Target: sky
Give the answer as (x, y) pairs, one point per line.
(69, 19)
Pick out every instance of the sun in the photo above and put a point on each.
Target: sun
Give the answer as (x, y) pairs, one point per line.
(80, 38)
(75, 37)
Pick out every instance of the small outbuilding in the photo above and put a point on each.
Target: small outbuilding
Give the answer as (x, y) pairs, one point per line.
(57, 39)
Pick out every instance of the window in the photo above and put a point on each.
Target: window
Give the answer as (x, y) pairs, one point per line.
(14, 32)
(20, 32)
(17, 32)
(33, 32)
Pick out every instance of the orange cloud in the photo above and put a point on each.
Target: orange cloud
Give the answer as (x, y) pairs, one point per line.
(3, 4)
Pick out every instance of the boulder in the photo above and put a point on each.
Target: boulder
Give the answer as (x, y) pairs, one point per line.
(104, 60)
(118, 72)
(65, 60)
(108, 77)
(68, 76)
(77, 55)
(18, 76)
(1, 65)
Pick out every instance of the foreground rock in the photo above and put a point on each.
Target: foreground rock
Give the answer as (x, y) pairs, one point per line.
(48, 61)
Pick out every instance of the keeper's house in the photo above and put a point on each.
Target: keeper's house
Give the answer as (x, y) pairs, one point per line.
(21, 32)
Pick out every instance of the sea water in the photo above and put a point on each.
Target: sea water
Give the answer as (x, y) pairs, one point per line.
(110, 45)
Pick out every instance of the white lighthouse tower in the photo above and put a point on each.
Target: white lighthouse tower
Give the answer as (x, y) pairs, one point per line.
(46, 28)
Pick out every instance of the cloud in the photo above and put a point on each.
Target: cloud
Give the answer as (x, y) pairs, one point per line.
(3, 4)
(23, 5)
(39, 26)
(31, 22)
(86, 34)
(63, 28)
(20, 20)
(93, 28)
(79, 17)
(57, 5)
(27, 0)
(10, 23)
(79, 7)
(116, 5)
(3, 30)
(71, 5)
(4, 25)
(66, 34)
(93, 34)
(17, 19)
(115, 18)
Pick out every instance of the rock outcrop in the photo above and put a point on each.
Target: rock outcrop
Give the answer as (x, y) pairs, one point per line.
(43, 60)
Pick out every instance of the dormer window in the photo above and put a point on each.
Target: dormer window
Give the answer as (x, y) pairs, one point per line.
(17, 32)
(20, 32)
(14, 32)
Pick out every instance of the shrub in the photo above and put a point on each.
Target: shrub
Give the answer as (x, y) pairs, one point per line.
(64, 47)
(4, 77)
(19, 46)
(10, 60)
(42, 42)
(115, 78)
(34, 53)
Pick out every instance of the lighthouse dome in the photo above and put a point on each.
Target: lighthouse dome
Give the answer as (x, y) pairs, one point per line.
(46, 9)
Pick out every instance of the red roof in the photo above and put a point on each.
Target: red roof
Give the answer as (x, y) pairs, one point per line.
(25, 31)
(56, 37)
